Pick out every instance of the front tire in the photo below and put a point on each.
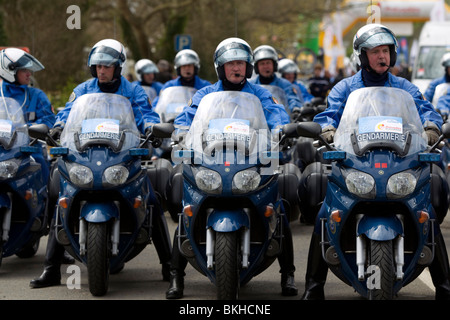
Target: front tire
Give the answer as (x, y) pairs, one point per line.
(98, 258)
(227, 268)
(381, 254)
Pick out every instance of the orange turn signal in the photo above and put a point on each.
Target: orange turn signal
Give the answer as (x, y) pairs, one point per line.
(137, 202)
(28, 194)
(423, 216)
(188, 211)
(64, 202)
(269, 211)
(336, 216)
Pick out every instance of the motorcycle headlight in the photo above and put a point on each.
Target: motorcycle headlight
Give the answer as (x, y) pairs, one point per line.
(360, 184)
(209, 181)
(246, 181)
(115, 175)
(80, 175)
(401, 184)
(8, 169)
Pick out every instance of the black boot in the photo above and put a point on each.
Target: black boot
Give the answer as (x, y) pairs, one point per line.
(288, 287)
(176, 285)
(439, 270)
(316, 271)
(161, 240)
(52, 265)
(67, 258)
(286, 261)
(178, 264)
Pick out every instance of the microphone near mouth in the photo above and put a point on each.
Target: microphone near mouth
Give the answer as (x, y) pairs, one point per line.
(383, 64)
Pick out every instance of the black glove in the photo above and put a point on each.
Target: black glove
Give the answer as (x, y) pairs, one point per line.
(295, 113)
(55, 133)
(433, 135)
(148, 131)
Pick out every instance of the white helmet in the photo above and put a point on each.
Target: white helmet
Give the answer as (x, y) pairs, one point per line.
(186, 57)
(13, 59)
(145, 66)
(371, 36)
(266, 52)
(287, 66)
(107, 52)
(445, 61)
(233, 49)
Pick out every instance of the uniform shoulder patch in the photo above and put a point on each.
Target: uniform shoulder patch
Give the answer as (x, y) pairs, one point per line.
(72, 97)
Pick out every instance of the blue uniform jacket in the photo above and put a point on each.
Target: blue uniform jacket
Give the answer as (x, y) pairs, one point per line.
(275, 113)
(337, 99)
(429, 93)
(443, 104)
(36, 106)
(144, 115)
(284, 84)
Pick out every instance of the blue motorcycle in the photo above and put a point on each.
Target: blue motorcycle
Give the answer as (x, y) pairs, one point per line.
(231, 227)
(23, 189)
(378, 222)
(106, 201)
(171, 102)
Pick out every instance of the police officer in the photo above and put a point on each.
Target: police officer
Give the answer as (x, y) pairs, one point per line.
(445, 62)
(233, 63)
(375, 49)
(146, 71)
(266, 64)
(16, 67)
(289, 71)
(105, 62)
(187, 65)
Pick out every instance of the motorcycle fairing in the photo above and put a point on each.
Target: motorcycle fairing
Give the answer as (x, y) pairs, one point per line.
(227, 221)
(380, 228)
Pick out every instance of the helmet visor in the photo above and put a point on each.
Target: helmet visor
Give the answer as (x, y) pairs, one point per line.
(105, 56)
(374, 38)
(185, 59)
(29, 63)
(148, 68)
(232, 52)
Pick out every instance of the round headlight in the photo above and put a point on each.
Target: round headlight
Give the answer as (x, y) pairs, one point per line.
(246, 181)
(402, 184)
(209, 181)
(115, 175)
(80, 175)
(360, 183)
(8, 169)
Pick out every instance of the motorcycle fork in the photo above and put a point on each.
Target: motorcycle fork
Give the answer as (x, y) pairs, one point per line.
(6, 223)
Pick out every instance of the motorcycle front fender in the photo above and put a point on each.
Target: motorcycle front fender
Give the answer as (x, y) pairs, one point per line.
(99, 211)
(227, 221)
(380, 228)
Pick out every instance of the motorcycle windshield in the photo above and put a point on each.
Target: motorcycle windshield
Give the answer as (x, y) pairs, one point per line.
(380, 117)
(101, 119)
(440, 90)
(13, 128)
(172, 100)
(151, 92)
(278, 94)
(228, 118)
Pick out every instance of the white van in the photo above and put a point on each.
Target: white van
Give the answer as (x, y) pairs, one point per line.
(434, 41)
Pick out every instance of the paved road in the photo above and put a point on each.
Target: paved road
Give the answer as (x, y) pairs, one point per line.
(141, 279)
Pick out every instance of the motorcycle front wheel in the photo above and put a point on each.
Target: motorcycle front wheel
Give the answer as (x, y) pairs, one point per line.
(381, 254)
(227, 267)
(98, 258)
